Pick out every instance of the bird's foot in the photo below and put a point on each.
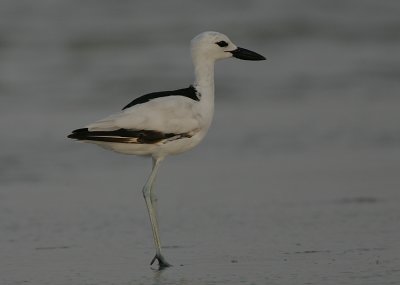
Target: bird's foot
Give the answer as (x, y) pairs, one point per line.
(162, 263)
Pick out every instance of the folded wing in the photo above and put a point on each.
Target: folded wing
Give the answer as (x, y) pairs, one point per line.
(154, 120)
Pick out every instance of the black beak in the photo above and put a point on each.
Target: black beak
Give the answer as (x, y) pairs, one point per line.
(246, 54)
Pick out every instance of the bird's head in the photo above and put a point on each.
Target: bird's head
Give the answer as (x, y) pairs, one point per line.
(214, 45)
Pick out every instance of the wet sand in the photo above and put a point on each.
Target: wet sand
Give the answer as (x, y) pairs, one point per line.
(315, 217)
(296, 183)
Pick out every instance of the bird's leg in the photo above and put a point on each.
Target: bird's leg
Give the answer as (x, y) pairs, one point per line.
(154, 200)
(150, 199)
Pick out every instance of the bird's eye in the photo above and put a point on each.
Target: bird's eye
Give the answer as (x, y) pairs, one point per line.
(222, 43)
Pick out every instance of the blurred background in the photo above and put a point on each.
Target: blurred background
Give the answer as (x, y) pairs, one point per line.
(299, 172)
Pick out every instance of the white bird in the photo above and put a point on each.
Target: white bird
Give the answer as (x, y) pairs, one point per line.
(169, 122)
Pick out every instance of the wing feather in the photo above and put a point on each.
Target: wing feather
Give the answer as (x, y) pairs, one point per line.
(172, 114)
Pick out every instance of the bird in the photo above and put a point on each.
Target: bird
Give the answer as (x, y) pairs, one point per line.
(166, 123)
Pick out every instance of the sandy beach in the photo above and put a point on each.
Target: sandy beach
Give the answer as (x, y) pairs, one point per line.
(297, 181)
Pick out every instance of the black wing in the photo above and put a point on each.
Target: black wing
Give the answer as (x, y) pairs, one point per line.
(189, 92)
(125, 136)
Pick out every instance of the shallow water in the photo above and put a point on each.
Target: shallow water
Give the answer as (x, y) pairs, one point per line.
(296, 183)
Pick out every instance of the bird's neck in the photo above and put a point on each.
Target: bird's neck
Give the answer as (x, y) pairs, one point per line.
(204, 75)
(204, 84)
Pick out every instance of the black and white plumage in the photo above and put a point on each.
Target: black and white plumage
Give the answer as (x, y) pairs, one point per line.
(169, 122)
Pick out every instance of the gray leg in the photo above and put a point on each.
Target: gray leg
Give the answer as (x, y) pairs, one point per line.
(154, 199)
(149, 197)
